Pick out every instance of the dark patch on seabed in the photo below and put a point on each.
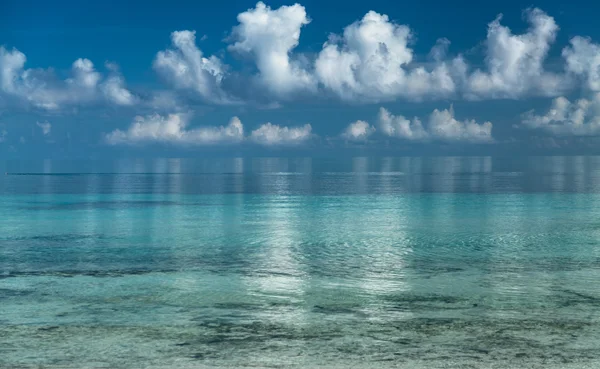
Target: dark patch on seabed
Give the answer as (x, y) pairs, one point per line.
(333, 310)
(7, 292)
(86, 273)
(432, 343)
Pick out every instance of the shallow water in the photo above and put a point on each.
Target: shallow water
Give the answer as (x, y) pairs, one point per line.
(275, 262)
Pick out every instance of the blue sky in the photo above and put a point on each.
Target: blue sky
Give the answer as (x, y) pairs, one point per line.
(183, 78)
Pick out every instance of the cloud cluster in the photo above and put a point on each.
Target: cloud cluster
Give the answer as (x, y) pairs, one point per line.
(271, 134)
(371, 62)
(269, 36)
(441, 126)
(583, 60)
(358, 131)
(42, 89)
(173, 129)
(185, 67)
(115, 92)
(400, 127)
(566, 118)
(515, 63)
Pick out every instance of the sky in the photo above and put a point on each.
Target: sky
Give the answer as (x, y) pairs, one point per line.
(184, 78)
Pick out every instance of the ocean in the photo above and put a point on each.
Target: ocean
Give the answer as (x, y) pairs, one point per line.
(414, 262)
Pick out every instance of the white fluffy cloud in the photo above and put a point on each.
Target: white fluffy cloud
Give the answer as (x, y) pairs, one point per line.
(185, 67)
(583, 59)
(358, 131)
(515, 63)
(401, 127)
(46, 127)
(269, 36)
(441, 126)
(566, 118)
(42, 89)
(370, 61)
(172, 129)
(114, 90)
(271, 135)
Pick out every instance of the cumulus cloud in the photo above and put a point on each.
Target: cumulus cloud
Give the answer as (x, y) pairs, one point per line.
(269, 36)
(358, 131)
(515, 63)
(401, 127)
(439, 50)
(3, 135)
(185, 67)
(42, 89)
(441, 126)
(583, 59)
(173, 129)
(84, 74)
(271, 135)
(166, 101)
(566, 118)
(114, 90)
(46, 127)
(371, 62)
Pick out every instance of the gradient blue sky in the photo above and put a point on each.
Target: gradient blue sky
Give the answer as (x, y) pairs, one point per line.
(273, 69)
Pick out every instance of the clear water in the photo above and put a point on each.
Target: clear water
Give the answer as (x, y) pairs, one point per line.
(301, 263)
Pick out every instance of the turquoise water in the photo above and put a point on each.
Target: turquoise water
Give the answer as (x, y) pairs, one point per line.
(301, 263)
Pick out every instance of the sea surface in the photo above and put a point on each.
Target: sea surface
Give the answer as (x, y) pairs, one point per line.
(446, 262)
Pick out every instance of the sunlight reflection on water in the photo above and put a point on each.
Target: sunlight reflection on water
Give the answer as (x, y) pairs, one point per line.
(391, 262)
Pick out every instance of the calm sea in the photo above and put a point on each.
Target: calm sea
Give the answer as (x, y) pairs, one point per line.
(447, 262)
